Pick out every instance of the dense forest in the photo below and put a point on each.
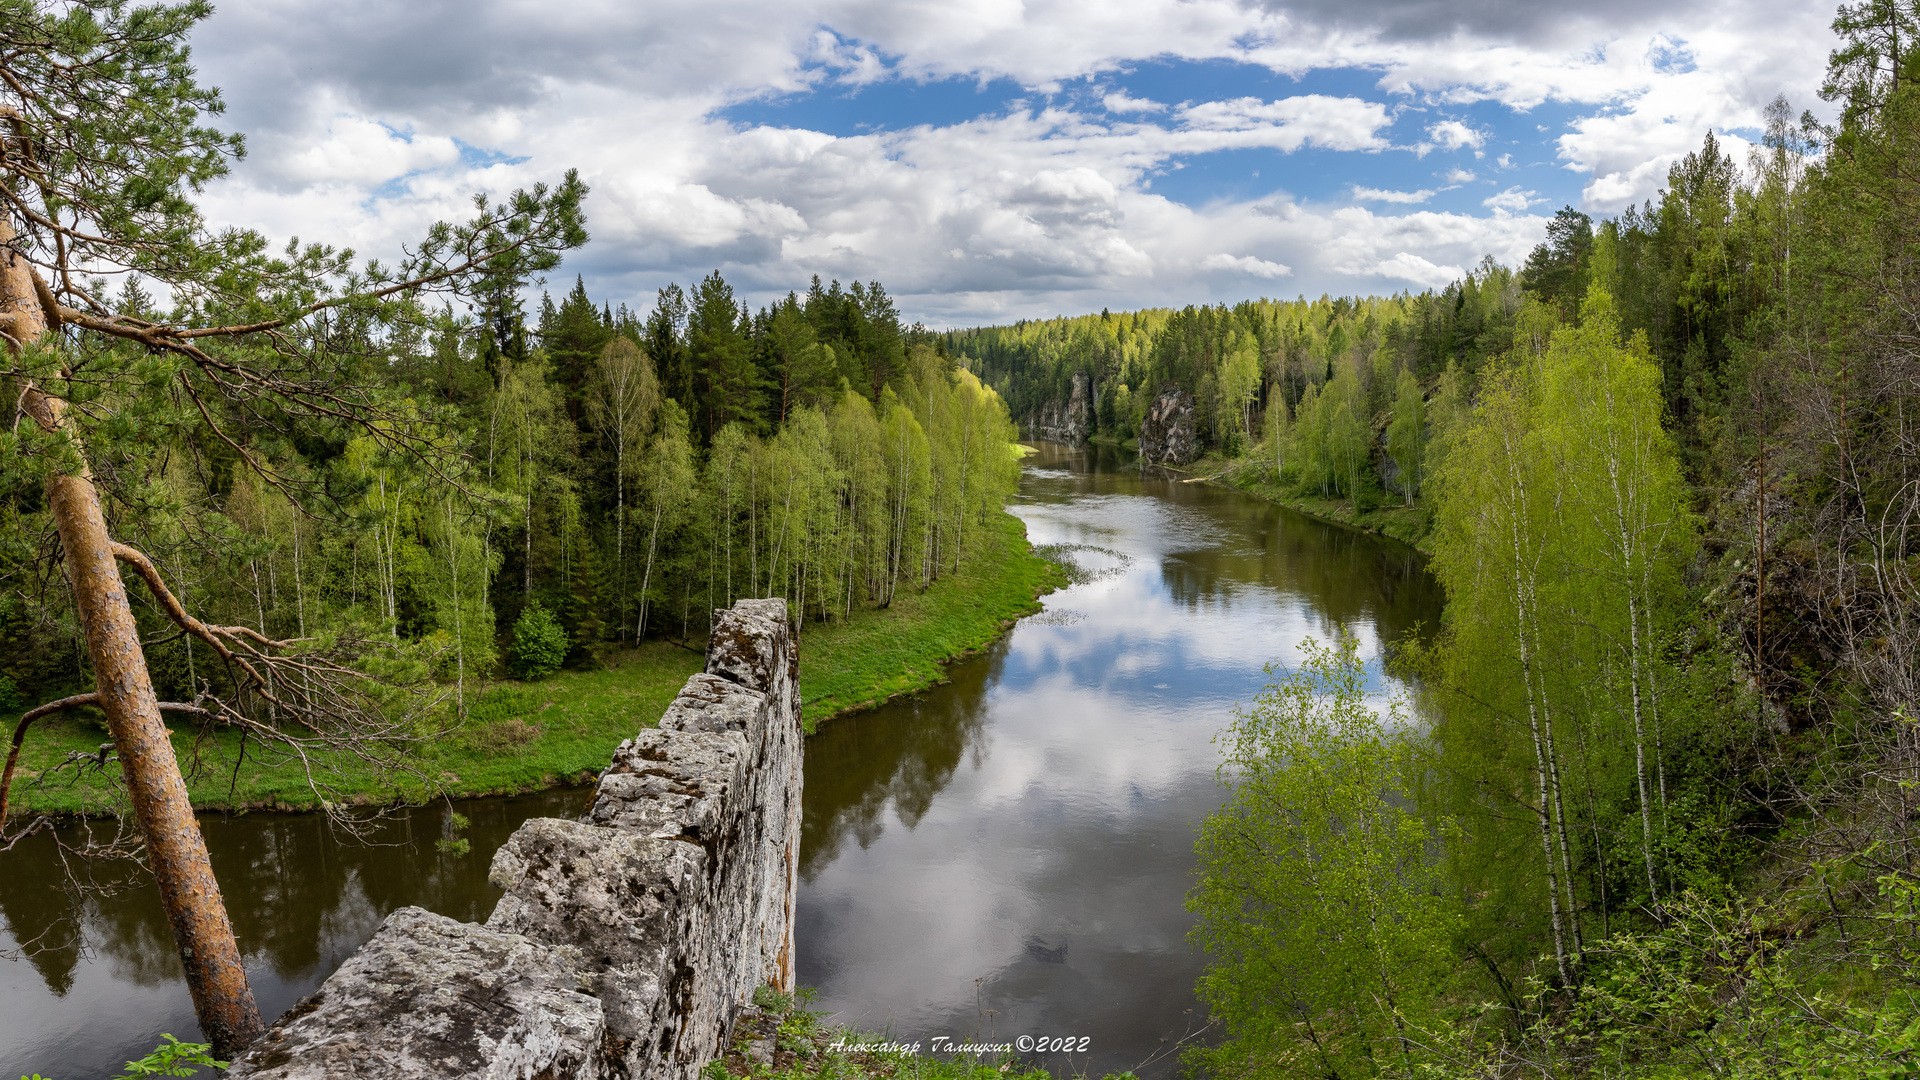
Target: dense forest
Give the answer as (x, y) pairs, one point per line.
(1662, 822)
(587, 471)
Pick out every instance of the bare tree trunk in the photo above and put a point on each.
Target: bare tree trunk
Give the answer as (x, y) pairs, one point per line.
(1540, 731)
(620, 519)
(646, 579)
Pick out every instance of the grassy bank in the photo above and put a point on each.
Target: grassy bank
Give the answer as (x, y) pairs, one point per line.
(526, 736)
(1380, 513)
(879, 655)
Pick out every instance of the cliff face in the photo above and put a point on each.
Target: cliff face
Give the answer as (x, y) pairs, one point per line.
(628, 940)
(1069, 422)
(1387, 469)
(1168, 434)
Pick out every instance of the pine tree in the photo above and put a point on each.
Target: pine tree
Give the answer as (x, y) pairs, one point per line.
(105, 145)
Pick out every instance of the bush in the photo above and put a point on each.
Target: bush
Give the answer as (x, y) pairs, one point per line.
(539, 643)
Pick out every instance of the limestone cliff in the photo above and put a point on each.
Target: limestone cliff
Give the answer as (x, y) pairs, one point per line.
(1070, 421)
(628, 940)
(1168, 433)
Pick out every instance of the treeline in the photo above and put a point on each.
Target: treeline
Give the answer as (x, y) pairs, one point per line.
(573, 479)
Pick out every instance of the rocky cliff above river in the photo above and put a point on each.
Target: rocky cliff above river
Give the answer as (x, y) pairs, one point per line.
(1168, 433)
(1070, 422)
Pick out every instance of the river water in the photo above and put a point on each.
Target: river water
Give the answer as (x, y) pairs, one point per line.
(1006, 855)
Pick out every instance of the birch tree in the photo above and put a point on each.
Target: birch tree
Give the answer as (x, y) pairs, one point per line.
(1625, 526)
(1489, 552)
(668, 493)
(625, 394)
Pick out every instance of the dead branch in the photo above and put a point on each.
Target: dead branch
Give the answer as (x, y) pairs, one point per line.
(314, 691)
(26, 721)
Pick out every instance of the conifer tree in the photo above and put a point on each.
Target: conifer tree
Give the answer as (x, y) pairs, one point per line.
(105, 146)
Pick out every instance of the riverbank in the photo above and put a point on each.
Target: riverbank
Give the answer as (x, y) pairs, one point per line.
(1378, 513)
(522, 737)
(877, 656)
(1382, 515)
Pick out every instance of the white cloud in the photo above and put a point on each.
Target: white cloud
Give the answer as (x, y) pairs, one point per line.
(851, 63)
(1372, 194)
(1122, 102)
(1511, 201)
(358, 150)
(1330, 123)
(1450, 135)
(1246, 264)
(1407, 266)
(358, 115)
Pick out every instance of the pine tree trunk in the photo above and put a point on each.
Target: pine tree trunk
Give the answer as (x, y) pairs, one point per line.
(176, 851)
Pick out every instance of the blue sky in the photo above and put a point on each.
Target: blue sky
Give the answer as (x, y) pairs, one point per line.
(997, 159)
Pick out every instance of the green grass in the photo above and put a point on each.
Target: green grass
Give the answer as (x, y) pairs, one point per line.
(1383, 514)
(878, 655)
(518, 737)
(522, 737)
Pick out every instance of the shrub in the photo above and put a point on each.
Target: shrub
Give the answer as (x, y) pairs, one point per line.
(539, 643)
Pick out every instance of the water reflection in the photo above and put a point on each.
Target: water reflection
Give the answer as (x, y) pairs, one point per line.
(1005, 855)
(98, 978)
(856, 773)
(1009, 854)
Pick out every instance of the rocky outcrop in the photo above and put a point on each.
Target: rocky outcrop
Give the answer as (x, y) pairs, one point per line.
(1385, 467)
(1168, 433)
(1070, 422)
(628, 940)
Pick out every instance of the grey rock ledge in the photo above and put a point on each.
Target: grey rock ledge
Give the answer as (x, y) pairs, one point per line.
(627, 941)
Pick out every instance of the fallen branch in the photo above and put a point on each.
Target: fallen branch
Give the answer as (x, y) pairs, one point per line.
(26, 721)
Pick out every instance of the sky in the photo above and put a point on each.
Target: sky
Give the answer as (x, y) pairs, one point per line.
(991, 160)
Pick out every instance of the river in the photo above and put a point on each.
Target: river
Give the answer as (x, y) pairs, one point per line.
(1005, 855)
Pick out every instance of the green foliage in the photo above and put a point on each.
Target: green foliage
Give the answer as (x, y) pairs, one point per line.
(521, 737)
(539, 643)
(1561, 529)
(1407, 433)
(172, 1058)
(1321, 900)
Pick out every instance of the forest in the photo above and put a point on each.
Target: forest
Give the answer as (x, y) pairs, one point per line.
(1669, 475)
(592, 479)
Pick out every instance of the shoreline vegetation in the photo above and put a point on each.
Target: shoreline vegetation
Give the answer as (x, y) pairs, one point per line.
(522, 737)
(1410, 525)
(1252, 475)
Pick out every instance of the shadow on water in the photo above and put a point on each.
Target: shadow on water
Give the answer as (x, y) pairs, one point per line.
(96, 977)
(1009, 853)
(859, 774)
